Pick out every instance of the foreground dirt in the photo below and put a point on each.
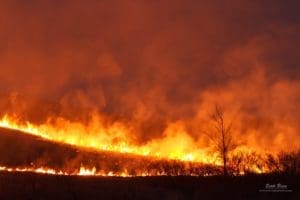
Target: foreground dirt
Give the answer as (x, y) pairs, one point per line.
(36, 186)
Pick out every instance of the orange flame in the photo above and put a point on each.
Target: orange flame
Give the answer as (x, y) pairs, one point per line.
(82, 171)
(176, 143)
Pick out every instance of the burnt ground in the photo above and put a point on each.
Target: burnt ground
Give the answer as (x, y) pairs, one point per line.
(37, 186)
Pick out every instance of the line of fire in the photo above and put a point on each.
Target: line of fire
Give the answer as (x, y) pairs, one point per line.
(74, 149)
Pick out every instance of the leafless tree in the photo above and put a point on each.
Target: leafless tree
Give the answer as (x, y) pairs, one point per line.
(221, 136)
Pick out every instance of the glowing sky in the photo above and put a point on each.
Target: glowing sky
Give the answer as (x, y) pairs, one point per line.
(148, 63)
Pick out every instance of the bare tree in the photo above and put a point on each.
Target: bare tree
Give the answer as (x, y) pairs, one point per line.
(221, 136)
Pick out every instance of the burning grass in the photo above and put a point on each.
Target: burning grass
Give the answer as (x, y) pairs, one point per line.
(21, 152)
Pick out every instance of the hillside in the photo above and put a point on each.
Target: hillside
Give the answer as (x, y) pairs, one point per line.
(23, 150)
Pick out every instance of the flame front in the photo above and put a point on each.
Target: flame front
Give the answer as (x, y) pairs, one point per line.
(83, 171)
(176, 144)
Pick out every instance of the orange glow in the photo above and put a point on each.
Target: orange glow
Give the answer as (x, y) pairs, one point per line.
(133, 87)
(176, 143)
(82, 171)
(39, 170)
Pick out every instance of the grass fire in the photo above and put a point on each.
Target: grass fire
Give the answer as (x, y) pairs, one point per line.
(62, 156)
(119, 99)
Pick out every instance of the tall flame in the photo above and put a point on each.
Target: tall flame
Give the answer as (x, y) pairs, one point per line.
(176, 143)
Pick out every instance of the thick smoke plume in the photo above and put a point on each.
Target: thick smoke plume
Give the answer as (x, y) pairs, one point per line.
(155, 66)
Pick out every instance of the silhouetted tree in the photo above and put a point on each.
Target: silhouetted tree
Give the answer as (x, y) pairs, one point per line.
(221, 136)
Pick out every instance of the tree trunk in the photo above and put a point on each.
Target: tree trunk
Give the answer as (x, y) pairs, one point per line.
(224, 165)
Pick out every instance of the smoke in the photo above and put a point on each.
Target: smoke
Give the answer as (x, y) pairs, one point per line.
(149, 64)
